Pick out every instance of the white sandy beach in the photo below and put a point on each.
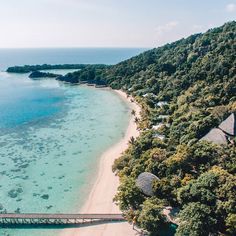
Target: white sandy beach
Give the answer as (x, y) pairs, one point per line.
(105, 187)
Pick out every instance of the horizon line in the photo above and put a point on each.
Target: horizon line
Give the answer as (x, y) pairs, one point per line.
(76, 47)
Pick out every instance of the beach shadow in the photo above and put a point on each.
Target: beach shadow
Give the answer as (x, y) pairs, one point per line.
(58, 226)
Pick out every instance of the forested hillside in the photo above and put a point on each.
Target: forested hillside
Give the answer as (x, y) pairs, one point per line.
(185, 89)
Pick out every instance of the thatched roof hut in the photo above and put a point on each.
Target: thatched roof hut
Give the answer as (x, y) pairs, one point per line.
(229, 125)
(224, 133)
(145, 182)
(216, 136)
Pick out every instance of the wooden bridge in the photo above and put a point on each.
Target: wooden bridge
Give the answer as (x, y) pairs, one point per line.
(57, 219)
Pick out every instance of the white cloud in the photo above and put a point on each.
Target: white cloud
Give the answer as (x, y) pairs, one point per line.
(231, 7)
(161, 29)
(198, 27)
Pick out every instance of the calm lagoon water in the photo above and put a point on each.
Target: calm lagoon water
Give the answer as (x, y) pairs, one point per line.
(51, 137)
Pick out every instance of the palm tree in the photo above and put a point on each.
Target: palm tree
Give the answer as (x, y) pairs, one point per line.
(133, 112)
(132, 140)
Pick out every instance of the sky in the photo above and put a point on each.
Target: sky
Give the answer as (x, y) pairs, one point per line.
(107, 23)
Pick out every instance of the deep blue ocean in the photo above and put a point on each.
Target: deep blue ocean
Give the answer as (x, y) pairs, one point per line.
(11, 57)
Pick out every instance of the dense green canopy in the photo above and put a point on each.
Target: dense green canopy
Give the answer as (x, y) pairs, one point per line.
(195, 79)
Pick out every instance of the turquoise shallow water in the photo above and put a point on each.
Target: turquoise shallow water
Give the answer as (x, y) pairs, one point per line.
(51, 138)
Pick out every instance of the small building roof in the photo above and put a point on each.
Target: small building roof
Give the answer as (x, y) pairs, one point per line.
(161, 137)
(216, 136)
(229, 125)
(145, 181)
(155, 127)
(161, 103)
(149, 95)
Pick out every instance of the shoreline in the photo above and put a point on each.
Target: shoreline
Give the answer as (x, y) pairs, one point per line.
(100, 199)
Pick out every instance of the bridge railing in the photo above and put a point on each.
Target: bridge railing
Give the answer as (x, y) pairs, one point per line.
(62, 219)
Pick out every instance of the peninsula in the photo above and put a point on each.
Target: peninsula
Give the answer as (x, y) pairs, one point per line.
(30, 68)
(38, 74)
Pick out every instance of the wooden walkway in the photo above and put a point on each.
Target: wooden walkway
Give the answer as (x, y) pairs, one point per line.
(56, 219)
